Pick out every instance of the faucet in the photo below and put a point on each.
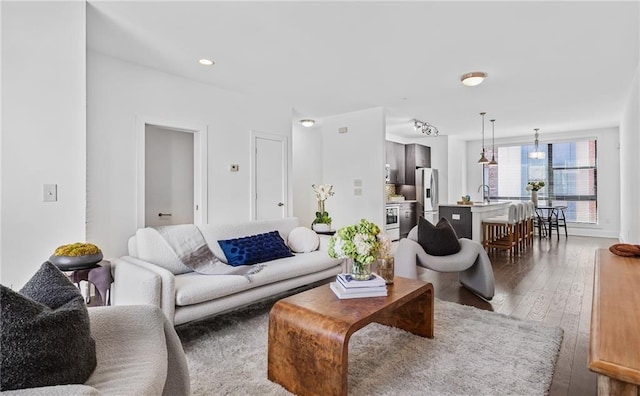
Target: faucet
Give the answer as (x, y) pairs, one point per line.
(484, 188)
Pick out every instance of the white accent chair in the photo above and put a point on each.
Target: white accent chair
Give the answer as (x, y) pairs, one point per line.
(471, 262)
(138, 353)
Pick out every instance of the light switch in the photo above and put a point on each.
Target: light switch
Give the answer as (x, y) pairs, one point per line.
(357, 182)
(455, 216)
(357, 191)
(49, 193)
(343, 130)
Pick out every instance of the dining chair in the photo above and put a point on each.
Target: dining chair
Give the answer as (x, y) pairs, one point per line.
(560, 220)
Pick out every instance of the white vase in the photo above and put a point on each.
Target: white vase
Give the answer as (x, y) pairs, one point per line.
(534, 198)
(322, 227)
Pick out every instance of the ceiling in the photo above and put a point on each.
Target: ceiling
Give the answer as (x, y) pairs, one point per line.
(557, 66)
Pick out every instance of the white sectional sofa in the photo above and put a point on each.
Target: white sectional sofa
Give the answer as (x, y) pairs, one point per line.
(153, 274)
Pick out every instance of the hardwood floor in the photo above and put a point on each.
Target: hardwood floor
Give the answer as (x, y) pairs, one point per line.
(551, 282)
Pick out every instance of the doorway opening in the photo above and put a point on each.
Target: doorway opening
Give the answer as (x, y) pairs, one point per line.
(172, 173)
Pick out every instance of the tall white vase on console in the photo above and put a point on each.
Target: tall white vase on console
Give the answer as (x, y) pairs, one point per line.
(534, 198)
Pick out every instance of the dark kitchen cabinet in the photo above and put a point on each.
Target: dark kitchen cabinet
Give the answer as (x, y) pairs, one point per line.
(395, 159)
(416, 156)
(408, 218)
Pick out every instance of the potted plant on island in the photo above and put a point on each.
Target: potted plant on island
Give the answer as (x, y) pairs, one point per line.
(322, 222)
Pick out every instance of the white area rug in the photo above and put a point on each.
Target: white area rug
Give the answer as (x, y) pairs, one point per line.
(474, 352)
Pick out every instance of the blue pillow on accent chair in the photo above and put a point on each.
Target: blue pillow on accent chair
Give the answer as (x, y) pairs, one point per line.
(254, 249)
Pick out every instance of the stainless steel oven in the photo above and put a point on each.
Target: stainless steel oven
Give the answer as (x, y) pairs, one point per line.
(392, 225)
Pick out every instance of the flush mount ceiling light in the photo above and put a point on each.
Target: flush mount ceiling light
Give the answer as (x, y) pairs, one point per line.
(493, 143)
(425, 127)
(205, 62)
(483, 160)
(307, 123)
(472, 79)
(537, 154)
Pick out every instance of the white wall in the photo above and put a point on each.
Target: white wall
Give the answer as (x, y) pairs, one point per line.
(120, 91)
(43, 132)
(630, 165)
(355, 155)
(1, 156)
(457, 169)
(307, 169)
(608, 176)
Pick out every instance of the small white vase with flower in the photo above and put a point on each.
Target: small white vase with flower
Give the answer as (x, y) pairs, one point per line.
(534, 186)
(322, 222)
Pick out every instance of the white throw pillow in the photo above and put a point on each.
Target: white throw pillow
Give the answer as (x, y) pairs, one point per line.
(303, 240)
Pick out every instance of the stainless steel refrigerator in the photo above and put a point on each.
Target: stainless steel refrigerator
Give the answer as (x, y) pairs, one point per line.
(427, 193)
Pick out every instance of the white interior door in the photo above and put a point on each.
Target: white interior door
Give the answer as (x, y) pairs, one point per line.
(269, 176)
(169, 176)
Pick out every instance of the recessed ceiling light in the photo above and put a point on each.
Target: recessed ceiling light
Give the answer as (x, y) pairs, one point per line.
(206, 62)
(307, 123)
(472, 79)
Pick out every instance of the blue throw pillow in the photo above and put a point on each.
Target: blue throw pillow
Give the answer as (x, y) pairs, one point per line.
(254, 249)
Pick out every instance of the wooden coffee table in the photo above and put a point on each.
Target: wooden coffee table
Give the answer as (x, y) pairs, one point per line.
(309, 332)
(614, 345)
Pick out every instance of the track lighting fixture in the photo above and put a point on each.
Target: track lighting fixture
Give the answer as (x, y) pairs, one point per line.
(425, 127)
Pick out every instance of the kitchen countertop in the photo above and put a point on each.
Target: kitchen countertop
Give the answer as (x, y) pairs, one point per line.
(481, 206)
(401, 202)
(493, 203)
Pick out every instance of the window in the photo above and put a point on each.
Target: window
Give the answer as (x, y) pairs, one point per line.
(568, 170)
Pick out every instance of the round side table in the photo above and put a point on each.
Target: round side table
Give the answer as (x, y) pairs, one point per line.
(99, 274)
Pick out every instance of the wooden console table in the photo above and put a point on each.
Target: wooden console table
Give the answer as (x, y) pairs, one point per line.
(309, 332)
(614, 343)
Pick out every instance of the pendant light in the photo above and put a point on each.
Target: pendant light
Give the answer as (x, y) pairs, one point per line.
(537, 154)
(483, 160)
(493, 143)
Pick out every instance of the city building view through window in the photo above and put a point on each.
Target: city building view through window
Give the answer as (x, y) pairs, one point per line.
(568, 170)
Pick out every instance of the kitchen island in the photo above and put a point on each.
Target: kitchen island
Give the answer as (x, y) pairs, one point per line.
(467, 219)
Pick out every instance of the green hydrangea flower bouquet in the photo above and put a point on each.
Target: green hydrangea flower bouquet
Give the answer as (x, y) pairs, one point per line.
(360, 242)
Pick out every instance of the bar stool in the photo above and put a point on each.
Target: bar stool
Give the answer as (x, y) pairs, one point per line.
(531, 215)
(524, 227)
(501, 232)
(520, 228)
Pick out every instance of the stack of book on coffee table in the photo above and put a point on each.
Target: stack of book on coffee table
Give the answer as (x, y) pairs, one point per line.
(346, 287)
